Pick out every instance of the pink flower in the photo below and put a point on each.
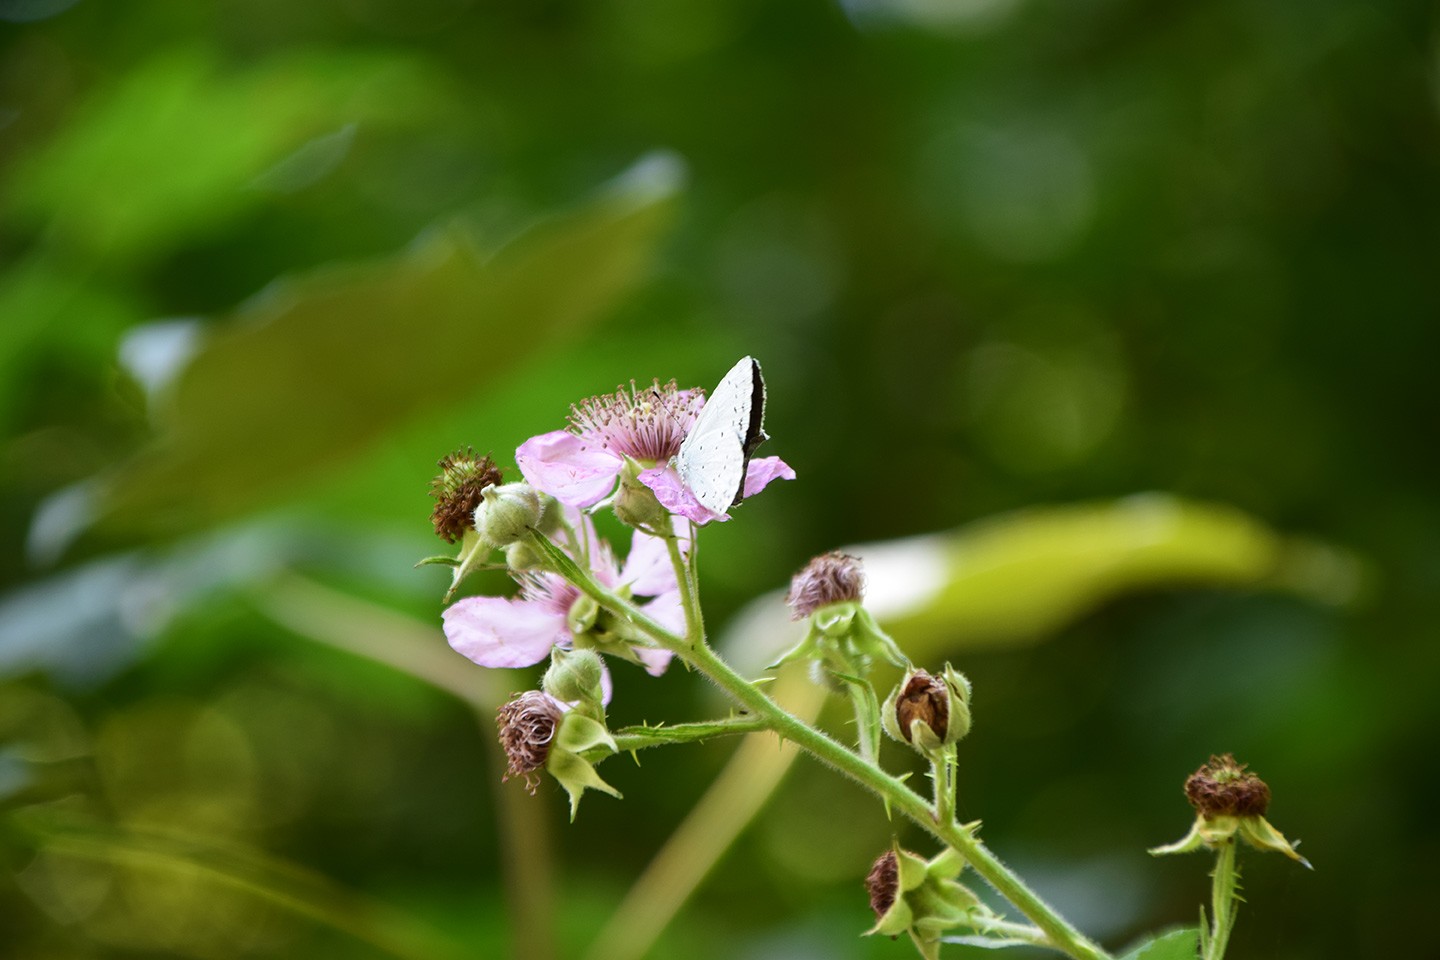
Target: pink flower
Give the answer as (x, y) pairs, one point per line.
(580, 464)
(521, 631)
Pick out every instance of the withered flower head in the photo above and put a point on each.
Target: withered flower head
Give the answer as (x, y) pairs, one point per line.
(457, 490)
(1224, 788)
(883, 883)
(1229, 801)
(923, 698)
(832, 577)
(527, 727)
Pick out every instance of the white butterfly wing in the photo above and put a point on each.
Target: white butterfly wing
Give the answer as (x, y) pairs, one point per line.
(712, 458)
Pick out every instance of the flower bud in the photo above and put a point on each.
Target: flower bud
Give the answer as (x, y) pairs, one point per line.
(635, 504)
(928, 712)
(457, 492)
(1229, 801)
(575, 676)
(507, 513)
(521, 556)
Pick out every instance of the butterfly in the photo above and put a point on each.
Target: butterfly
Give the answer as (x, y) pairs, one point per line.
(716, 452)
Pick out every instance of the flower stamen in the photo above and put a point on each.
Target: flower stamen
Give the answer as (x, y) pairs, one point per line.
(646, 424)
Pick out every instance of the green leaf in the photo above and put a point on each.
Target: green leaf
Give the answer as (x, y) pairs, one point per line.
(182, 145)
(321, 368)
(1182, 944)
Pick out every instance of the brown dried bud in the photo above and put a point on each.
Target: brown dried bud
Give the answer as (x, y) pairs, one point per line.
(527, 727)
(457, 491)
(883, 883)
(924, 698)
(832, 577)
(1224, 788)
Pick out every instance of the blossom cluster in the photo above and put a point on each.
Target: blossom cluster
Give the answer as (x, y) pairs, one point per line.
(618, 449)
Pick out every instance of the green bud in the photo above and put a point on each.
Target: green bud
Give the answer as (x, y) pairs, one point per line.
(521, 555)
(584, 611)
(507, 513)
(635, 504)
(575, 676)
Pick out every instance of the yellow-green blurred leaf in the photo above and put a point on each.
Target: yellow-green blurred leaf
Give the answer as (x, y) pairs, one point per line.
(1022, 576)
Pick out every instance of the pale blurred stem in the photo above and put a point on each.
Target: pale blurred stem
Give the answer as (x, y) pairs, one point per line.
(1062, 935)
(1223, 900)
(1017, 931)
(689, 598)
(867, 714)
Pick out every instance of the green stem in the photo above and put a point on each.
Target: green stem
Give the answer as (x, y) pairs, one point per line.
(867, 719)
(1062, 935)
(942, 775)
(1223, 901)
(694, 619)
(638, 738)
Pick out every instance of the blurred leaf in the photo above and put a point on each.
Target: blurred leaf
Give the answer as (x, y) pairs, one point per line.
(1023, 576)
(176, 145)
(242, 869)
(319, 368)
(1019, 578)
(47, 312)
(1180, 944)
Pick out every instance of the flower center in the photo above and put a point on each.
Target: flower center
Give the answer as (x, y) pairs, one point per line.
(643, 423)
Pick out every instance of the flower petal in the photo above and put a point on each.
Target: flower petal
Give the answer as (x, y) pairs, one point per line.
(761, 471)
(495, 632)
(676, 497)
(655, 659)
(648, 569)
(568, 468)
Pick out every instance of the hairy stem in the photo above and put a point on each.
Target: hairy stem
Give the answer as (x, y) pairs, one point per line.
(689, 598)
(1223, 899)
(638, 738)
(1061, 934)
(867, 719)
(942, 776)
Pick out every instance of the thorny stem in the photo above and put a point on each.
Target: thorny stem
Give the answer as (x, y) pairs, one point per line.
(1223, 899)
(1061, 934)
(638, 738)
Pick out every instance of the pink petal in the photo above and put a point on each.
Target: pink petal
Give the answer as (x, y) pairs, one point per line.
(668, 611)
(495, 632)
(760, 472)
(655, 659)
(675, 497)
(648, 569)
(569, 468)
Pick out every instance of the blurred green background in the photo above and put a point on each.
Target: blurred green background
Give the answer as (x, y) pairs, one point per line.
(1146, 282)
